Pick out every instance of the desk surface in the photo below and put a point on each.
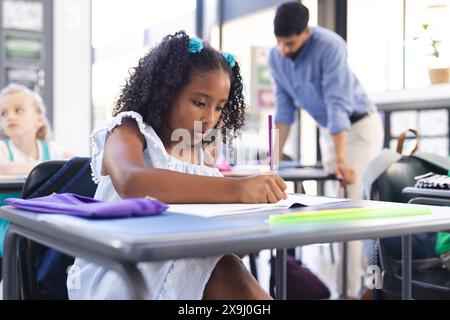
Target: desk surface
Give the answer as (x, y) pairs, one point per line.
(143, 239)
(429, 192)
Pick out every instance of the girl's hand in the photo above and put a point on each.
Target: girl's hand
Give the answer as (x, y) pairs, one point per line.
(268, 188)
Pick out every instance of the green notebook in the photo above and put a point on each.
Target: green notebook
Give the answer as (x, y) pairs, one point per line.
(347, 214)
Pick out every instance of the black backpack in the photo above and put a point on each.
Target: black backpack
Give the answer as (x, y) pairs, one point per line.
(43, 271)
(385, 178)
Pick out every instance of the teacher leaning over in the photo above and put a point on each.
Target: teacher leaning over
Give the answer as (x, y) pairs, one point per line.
(310, 70)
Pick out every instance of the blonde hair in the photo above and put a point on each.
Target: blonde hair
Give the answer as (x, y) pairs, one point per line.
(44, 132)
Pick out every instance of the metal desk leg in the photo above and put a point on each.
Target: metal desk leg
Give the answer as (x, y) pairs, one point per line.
(344, 269)
(280, 274)
(298, 187)
(344, 258)
(253, 267)
(11, 290)
(332, 253)
(406, 266)
(320, 188)
(299, 253)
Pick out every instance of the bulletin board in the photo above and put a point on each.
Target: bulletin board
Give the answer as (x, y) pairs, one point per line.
(26, 46)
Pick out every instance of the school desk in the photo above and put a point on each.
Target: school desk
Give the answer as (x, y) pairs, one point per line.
(120, 244)
(11, 184)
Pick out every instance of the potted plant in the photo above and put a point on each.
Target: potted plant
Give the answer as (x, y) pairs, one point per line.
(438, 70)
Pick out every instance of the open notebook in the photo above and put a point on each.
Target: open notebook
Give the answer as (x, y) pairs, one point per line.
(215, 210)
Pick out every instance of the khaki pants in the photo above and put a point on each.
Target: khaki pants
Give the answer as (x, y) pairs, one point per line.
(364, 143)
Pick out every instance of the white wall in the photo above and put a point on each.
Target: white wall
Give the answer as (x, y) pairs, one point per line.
(184, 22)
(114, 59)
(72, 74)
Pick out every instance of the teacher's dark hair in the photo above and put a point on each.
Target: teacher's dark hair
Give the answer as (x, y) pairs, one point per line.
(291, 18)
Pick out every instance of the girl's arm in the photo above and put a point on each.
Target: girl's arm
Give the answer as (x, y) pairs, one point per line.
(9, 168)
(15, 169)
(59, 152)
(67, 154)
(124, 163)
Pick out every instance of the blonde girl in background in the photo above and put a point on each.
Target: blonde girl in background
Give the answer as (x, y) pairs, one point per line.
(24, 138)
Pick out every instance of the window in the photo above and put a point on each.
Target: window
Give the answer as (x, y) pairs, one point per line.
(419, 53)
(250, 37)
(387, 46)
(118, 46)
(389, 49)
(374, 40)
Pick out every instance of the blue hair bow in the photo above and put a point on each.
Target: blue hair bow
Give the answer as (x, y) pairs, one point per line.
(230, 59)
(195, 45)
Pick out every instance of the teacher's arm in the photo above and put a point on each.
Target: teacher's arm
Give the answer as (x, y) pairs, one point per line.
(341, 169)
(337, 88)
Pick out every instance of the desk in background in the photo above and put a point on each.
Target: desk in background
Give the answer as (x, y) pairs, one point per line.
(11, 184)
(428, 196)
(10, 187)
(121, 243)
(427, 192)
(289, 172)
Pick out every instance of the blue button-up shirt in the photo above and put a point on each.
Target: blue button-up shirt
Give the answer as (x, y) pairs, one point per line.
(319, 80)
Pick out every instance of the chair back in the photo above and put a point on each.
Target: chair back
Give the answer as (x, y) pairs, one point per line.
(43, 271)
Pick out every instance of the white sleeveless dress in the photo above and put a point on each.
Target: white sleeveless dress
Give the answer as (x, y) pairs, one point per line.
(170, 279)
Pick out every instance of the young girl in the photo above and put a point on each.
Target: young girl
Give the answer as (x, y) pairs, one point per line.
(24, 134)
(179, 83)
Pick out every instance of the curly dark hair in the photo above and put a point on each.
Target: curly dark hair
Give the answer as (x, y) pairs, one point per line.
(163, 72)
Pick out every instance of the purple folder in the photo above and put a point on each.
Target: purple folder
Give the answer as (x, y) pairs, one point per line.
(76, 205)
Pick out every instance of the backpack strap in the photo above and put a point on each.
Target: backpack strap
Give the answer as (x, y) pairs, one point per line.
(401, 140)
(8, 147)
(63, 178)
